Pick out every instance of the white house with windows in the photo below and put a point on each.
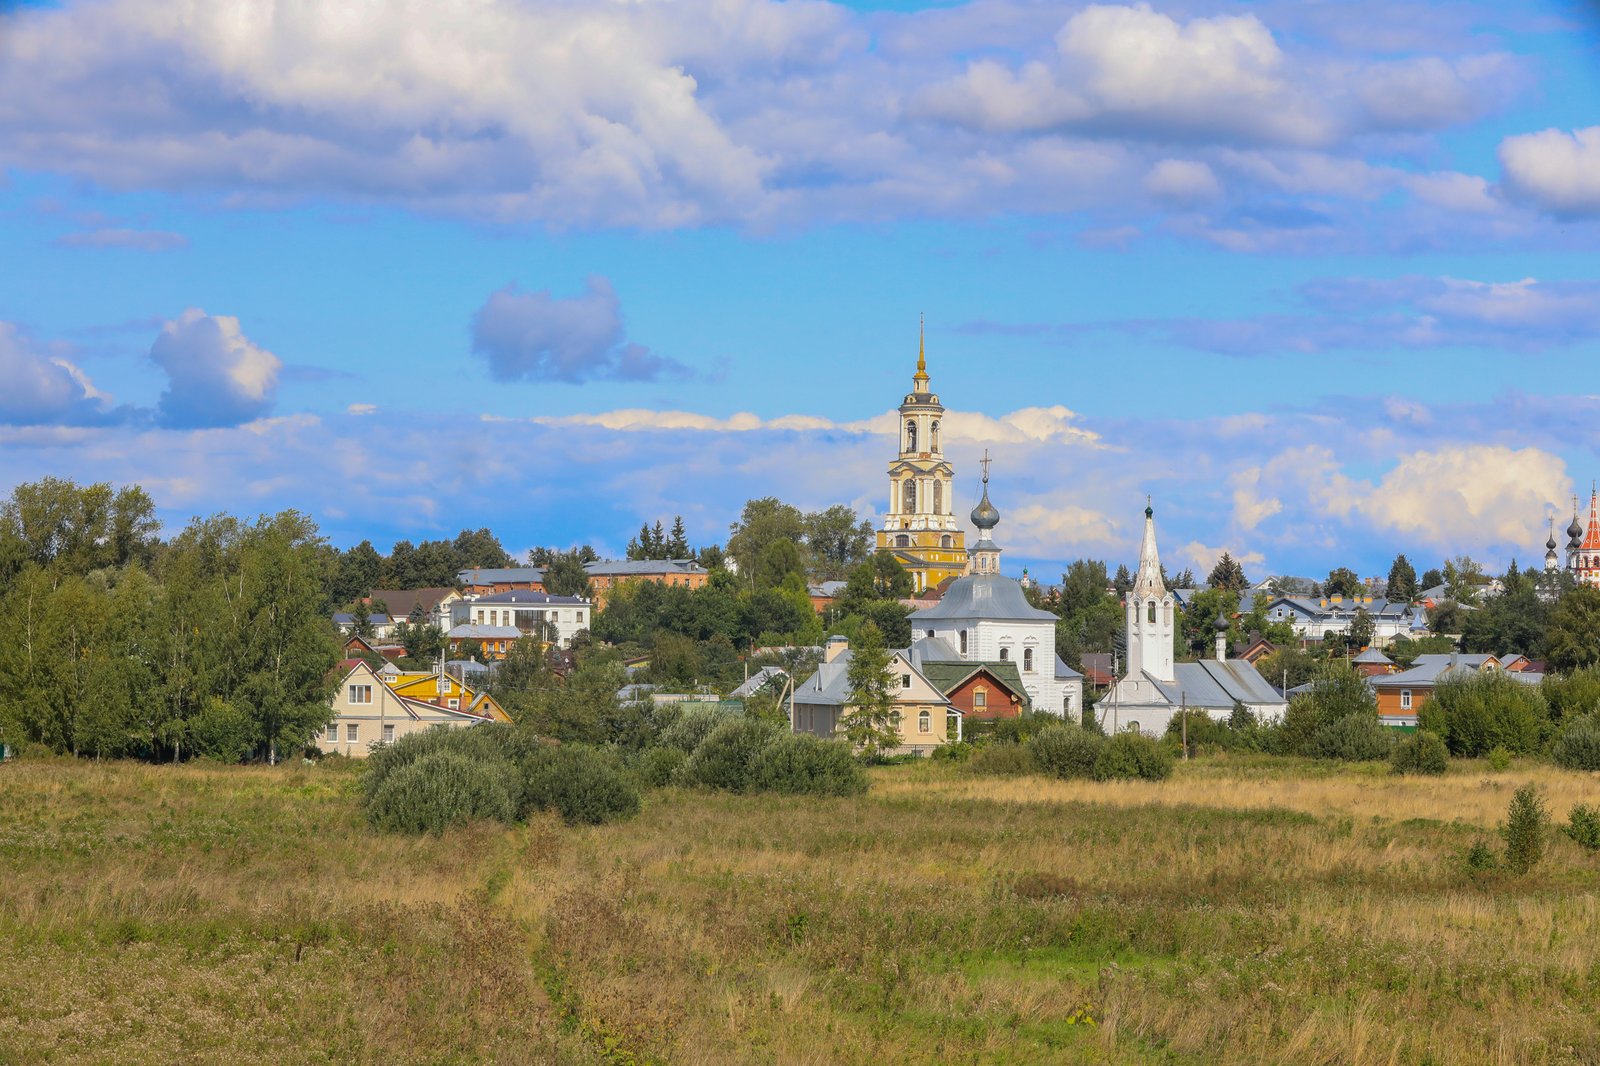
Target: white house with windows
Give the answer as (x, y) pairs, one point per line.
(560, 618)
(366, 711)
(985, 616)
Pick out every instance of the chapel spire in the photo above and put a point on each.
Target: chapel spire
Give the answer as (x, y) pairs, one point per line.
(1148, 585)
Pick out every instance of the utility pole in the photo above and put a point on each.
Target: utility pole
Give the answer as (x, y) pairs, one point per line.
(1184, 711)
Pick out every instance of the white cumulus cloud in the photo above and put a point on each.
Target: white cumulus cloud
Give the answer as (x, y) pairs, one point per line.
(1555, 170)
(216, 376)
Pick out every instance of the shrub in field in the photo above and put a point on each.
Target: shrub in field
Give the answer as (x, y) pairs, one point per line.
(726, 757)
(1573, 694)
(442, 789)
(1479, 857)
(658, 766)
(1009, 730)
(1001, 759)
(1353, 738)
(1480, 712)
(584, 785)
(1526, 819)
(1066, 751)
(222, 731)
(958, 751)
(799, 763)
(1499, 759)
(693, 726)
(491, 742)
(1130, 754)
(1578, 745)
(1583, 826)
(1420, 753)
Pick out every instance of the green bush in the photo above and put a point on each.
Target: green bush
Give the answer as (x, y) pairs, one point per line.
(1573, 694)
(1006, 759)
(1578, 745)
(1478, 713)
(799, 763)
(1008, 730)
(222, 731)
(956, 751)
(584, 785)
(1066, 751)
(1583, 826)
(1499, 759)
(1420, 753)
(726, 758)
(657, 767)
(1526, 819)
(492, 740)
(1353, 738)
(442, 789)
(1479, 857)
(1131, 754)
(694, 725)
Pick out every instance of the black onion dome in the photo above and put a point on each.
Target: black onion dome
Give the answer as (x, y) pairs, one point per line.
(1574, 531)
(984, 516)
(1221, 624)
(1551, 543)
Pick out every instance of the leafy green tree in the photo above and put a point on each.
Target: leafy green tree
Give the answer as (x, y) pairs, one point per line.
(1482, 712)
(1463, 579)
(1402, 584)
(1516, 620)
(1446, 617)
(1527, 821)
(1342, 581)
(357, 573)
(1430, 579)
(1228, 575)
(1573, 694)
(778, 561)
(838, 540)
(1362, 628)
(880, 577)
(869, 722)
(564, 575)
(1572, 638)
(763, 522)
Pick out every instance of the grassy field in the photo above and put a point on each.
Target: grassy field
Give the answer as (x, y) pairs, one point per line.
(1243, 911)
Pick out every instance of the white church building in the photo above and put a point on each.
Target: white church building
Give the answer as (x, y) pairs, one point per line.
(986, 617)
(1158, 689)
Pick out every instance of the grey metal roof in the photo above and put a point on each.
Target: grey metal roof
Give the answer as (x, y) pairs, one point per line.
(530, 597)
(627, 567)
(345, 618)
(1065, 672)
(1209, 685)
(829, 686)
(471, 631)
(931, 649)
(758, 681)
(1430, 669)
(489, 575)
(1373, 655)
(983, 596)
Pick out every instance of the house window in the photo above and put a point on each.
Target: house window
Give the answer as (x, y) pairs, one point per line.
(333, 732)
(388, 734)
(453, 704)
(1405, 699)
(924, 722)
(980, 698)
(905, 680)
(352, 733)
(360, 693)
(1027, 660)
(1005, 654)
(963, 642)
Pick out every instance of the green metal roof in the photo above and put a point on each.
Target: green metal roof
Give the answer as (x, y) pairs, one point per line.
(948, 676)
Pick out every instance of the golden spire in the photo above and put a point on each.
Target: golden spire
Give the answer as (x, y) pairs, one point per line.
(921, 376)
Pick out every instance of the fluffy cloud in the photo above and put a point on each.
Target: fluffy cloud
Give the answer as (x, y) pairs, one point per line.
(42, 388)
(1555, 170)
(533, 336)
(675, 114)
(215, 375)
(1182, 182)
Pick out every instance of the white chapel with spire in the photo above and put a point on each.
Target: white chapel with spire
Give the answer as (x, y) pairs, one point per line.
(1156, 687)
(985, 617)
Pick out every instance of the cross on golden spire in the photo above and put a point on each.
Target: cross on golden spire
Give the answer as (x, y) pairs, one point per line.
(921, 376)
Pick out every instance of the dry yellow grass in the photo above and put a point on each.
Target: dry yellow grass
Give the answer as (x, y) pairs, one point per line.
(1240, 912)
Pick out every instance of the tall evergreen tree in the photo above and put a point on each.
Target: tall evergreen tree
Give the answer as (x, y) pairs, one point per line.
(1228, 575)
(677, 546)
(869, 722)
(1402, 584)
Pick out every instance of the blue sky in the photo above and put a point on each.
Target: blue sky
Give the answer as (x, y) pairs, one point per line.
(1320, 277)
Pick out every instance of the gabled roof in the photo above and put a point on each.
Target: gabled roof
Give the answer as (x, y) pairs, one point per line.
(979, 597)
(401, 601)
(1373, 655)
(757, 681)
(1215, 686)
(830, 685)
(1430, 669)
(949, 676)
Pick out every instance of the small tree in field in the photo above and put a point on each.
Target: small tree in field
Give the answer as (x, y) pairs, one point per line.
(1526, 819)
(869, 723)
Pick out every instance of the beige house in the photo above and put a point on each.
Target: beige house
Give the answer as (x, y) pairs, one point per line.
(924, 717)
(366, 712)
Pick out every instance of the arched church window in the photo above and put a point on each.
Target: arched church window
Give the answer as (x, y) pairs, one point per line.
(911, 436)
(933, 436)
(902, 541)
(1027, 660)
(1005, 654)
(944, 541)
(1150, 612)
(909, 490)
(924, 722)
(1166, 613)
(938, 497)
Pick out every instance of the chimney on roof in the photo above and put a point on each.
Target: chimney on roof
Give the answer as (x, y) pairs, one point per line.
(835, 647)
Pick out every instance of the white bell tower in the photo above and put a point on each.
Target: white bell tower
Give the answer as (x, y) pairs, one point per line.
(1150, 612)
